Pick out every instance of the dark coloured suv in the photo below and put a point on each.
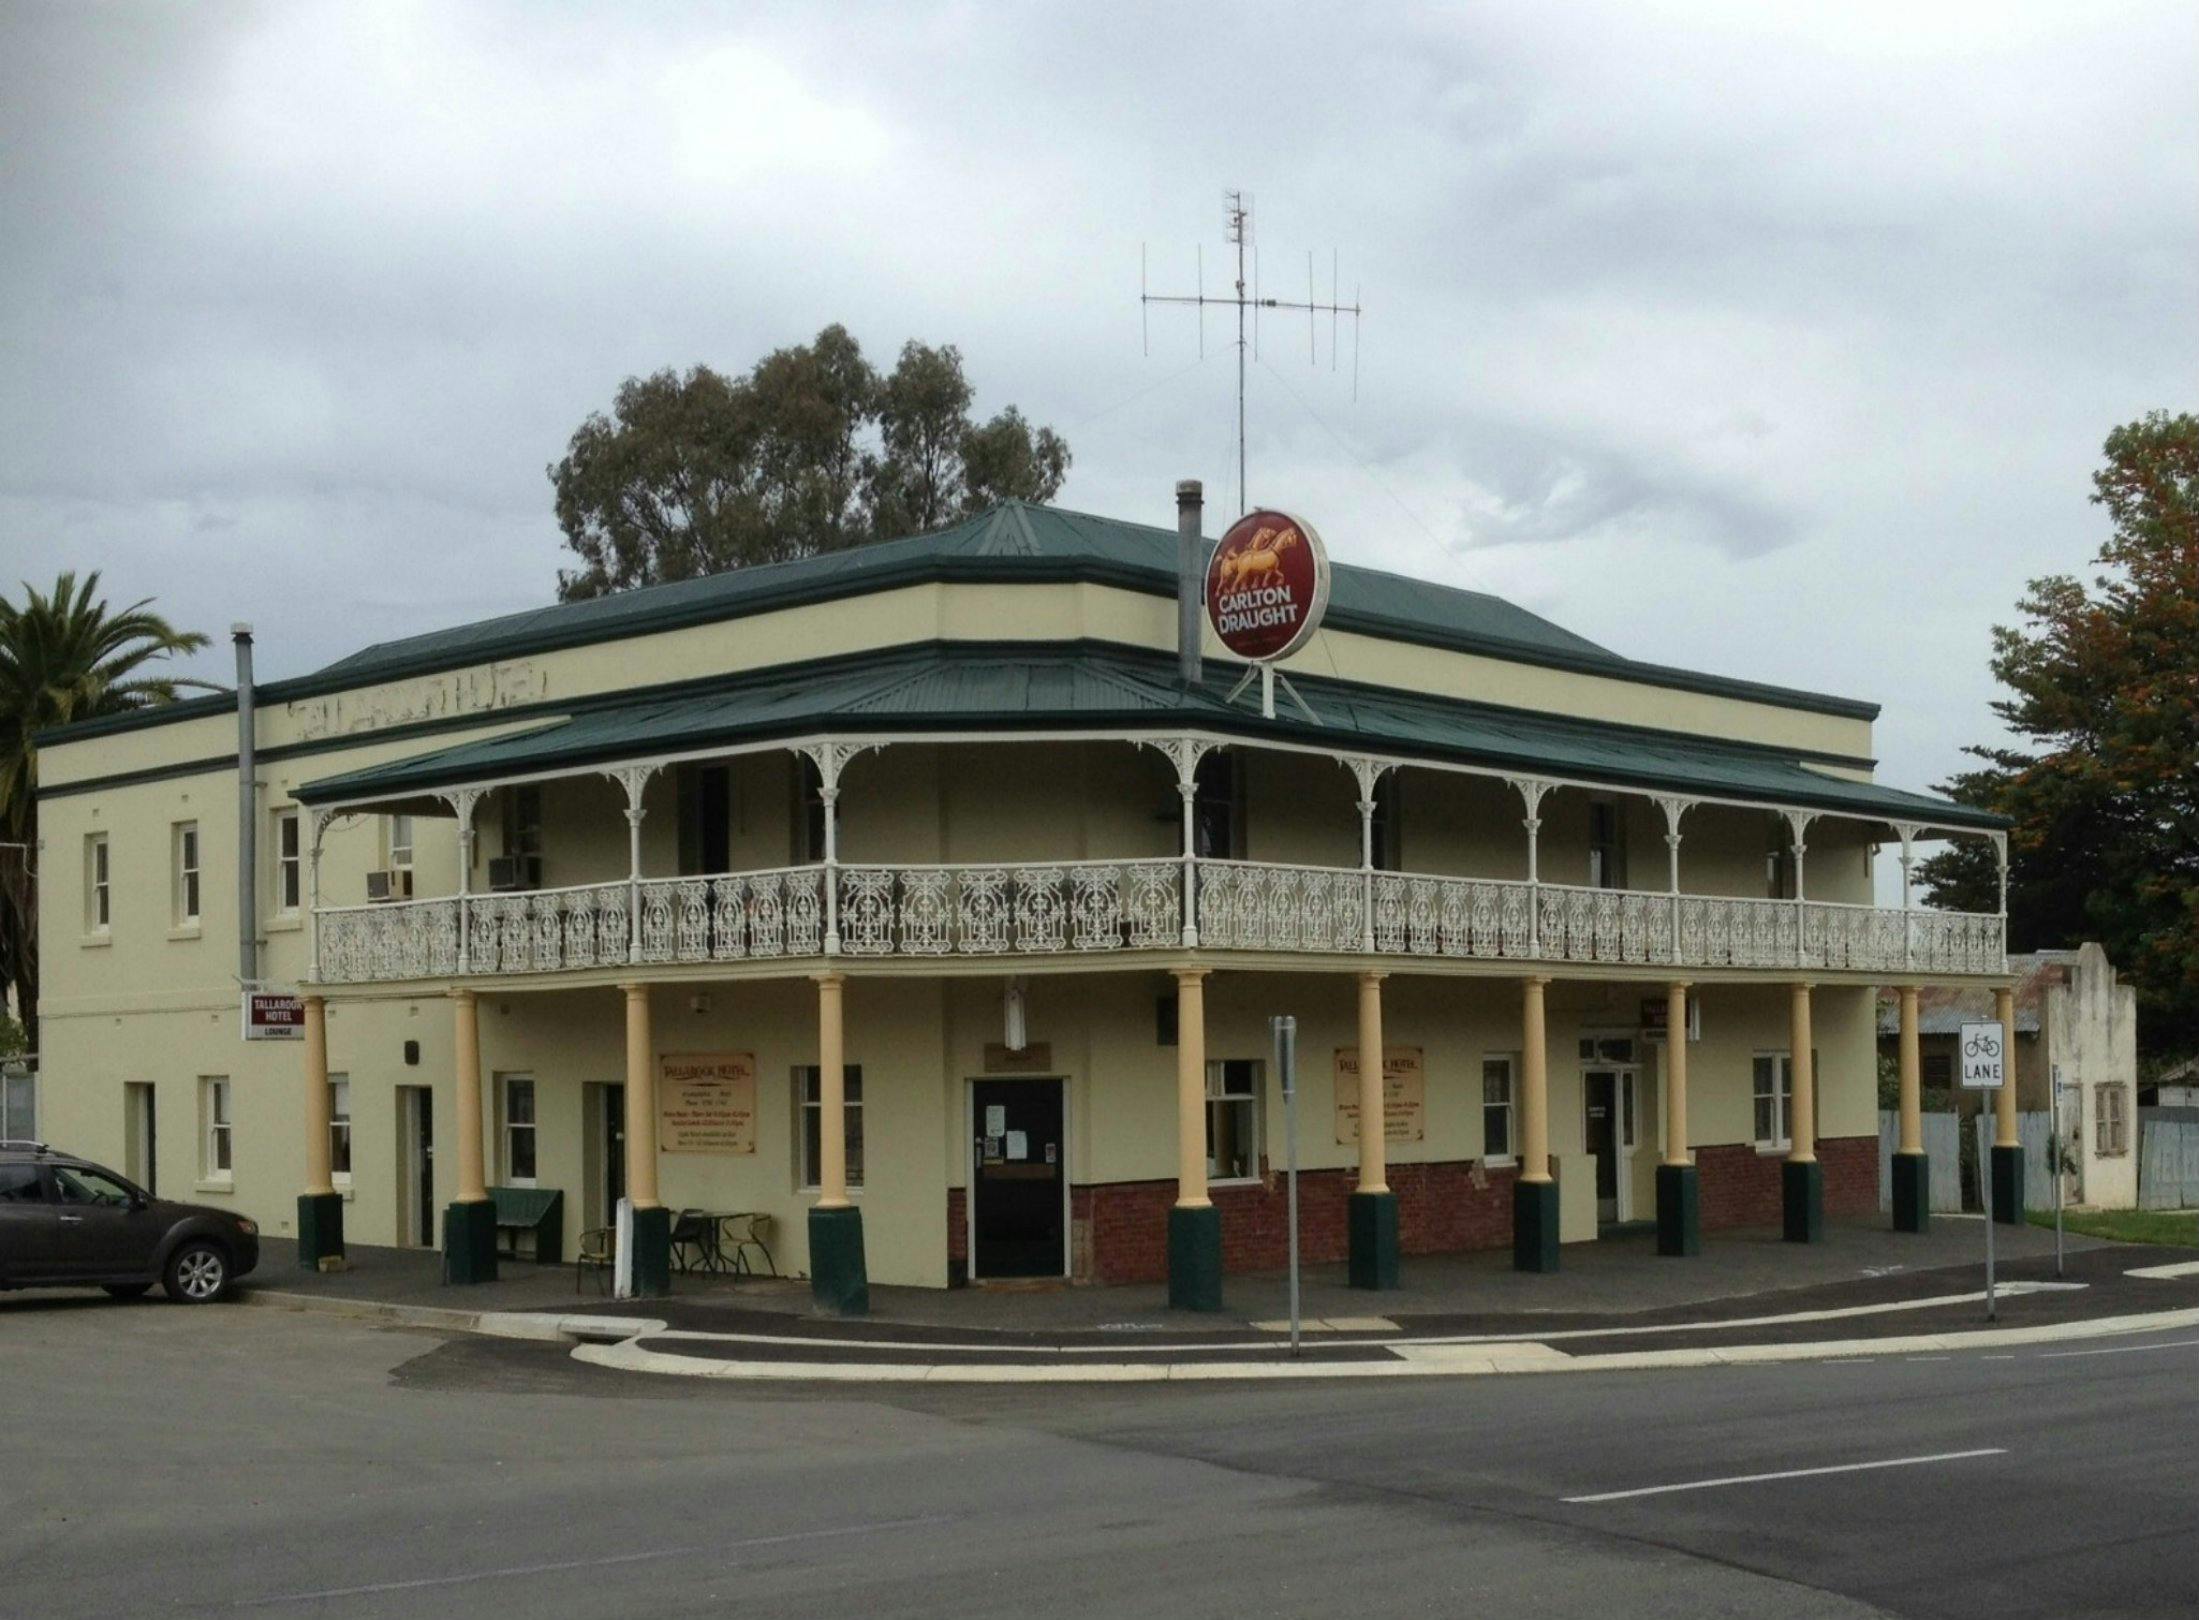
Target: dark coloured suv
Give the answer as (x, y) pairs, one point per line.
(66, 1222)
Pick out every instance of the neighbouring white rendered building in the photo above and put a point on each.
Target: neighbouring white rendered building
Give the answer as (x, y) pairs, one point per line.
(924, 901)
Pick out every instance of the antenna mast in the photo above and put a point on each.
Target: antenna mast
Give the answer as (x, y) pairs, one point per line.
(1237, 217)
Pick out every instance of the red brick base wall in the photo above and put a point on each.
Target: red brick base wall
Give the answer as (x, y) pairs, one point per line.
(1122, 1227)
(1741, 1187)
(1119, 1230)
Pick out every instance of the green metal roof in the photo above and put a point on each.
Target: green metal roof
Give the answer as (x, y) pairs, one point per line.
(1108, 689)
(1017, 542)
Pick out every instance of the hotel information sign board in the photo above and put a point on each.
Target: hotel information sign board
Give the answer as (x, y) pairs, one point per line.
(706, 1102)
(1983, 1063)
(274, 1015)
(1404, 1094)
(1267, 585)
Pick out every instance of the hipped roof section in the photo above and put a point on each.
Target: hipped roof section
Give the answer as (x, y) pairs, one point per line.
(1106, 690)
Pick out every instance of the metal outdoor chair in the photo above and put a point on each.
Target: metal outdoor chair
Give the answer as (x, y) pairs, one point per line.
(596, 1255)
(695, 1242)
(739, 1234)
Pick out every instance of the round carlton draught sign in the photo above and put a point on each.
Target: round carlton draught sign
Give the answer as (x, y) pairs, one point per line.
(1267, 585)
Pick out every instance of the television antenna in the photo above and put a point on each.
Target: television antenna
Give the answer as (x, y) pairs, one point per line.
(1246, 296)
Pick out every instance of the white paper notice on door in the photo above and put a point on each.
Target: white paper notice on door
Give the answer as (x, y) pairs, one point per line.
(1019, 1144)
(996, 1119)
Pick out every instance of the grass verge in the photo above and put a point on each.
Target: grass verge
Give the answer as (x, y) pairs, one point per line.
(2179, 1227)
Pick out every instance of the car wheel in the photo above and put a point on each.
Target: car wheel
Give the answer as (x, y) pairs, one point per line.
(126, 1290)
(198, 1273)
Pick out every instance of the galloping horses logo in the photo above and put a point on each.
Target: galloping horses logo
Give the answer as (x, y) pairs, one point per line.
(1267, 585)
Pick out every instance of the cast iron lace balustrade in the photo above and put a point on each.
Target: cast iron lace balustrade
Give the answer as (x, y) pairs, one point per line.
(1071, 907)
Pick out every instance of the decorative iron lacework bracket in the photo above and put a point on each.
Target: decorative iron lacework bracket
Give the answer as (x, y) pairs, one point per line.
(1369, 772)
(635, 780)
(1674, 807)
(1531, 789)
(1799, 821)
(1184, 753)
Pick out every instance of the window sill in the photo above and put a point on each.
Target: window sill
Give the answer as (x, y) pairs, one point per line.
(1243, 1181)
(97, 942)
(225, 1188)
(1500, 1161)
(186, 931)
(1774, 1150)
(288, 923)
(854, 1191)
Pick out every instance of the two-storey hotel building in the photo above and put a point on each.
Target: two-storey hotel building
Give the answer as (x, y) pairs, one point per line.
(922, 902)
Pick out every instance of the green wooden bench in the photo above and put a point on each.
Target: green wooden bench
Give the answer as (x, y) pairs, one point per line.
(539, 1210)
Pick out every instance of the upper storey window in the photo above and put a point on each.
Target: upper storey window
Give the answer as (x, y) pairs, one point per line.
(186, 885)
(98, 886)
(1216, 806)
(1606, 845)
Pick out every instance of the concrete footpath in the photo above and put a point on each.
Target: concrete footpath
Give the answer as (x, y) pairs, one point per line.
(1613, 1305)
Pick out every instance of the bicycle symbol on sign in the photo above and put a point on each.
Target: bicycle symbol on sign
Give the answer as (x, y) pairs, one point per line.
(1982, 1046)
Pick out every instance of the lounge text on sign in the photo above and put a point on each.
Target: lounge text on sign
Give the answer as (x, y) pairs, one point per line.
(271, 1015)
(1267, 585)
(1983, 1061)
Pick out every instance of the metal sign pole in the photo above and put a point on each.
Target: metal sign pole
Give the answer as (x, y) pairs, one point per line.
(1985, 1069)
(2054, 1137)
(1285, 1032)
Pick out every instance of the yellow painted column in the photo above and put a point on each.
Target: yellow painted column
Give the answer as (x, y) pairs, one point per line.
(2005, 1133)
(641, 1101)
(319, 1180)
(473, 1180)
(1676, 1074)
(832, 1132)
(1802, 1101)
(1534, 1147)
(1191, 1089)
(1912, 1075)
(1373, 1143)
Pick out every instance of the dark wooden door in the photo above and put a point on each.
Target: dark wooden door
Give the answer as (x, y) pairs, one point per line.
(1602, 1092)
(1018, 1175)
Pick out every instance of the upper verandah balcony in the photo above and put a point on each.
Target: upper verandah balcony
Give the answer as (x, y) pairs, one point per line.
(1378, 825)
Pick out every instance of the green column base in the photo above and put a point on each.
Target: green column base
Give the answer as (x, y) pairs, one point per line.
(652, 1252)
(1679, 1210)
(1195, 1258)
(1802, 1200)
(320, 1229)
(469, 1243)
(839, 1282)
(1373, 1231)
(2008, 1185)
(1912, 1192)
(1534, 1226)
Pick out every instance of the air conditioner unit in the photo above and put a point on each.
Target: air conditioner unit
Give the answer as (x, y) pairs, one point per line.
(510, 872)
(392, 885)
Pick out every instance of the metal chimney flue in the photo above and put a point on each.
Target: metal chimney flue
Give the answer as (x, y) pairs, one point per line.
(248, 909)
(1190, 547)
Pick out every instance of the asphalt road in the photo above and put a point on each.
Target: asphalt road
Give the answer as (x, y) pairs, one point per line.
(168, 1461)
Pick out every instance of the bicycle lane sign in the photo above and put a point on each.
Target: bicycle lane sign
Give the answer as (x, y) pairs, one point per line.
(1984, 1064)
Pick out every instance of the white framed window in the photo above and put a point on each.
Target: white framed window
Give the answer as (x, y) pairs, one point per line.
(2110, 1121)
(1233, 1119)
(1606, 844)
(1774, 1087)
(217, 1160)
(1388, 844)
(339, 1129)
(398, 831)
(18, 1102)
(809, 1125)
(1217, 806)
(186, 887)
(98, 885)
(1497, 1093)
(1779, 860)
(289, 870)
(517, 1126)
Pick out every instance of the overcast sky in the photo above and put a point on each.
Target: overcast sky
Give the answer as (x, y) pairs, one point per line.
(1779, 348)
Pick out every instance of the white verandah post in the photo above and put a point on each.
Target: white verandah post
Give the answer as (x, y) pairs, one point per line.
(1674, 809)
(1369, 773)
(462, 802)
(1908, 835)
(831, 758)
(1799, 821)
(1185, 753)
(1531, 791)
(635, 779)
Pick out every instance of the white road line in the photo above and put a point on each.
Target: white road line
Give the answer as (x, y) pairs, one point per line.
(608, 1561)
(2117, 1350)
(1789, 1473)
